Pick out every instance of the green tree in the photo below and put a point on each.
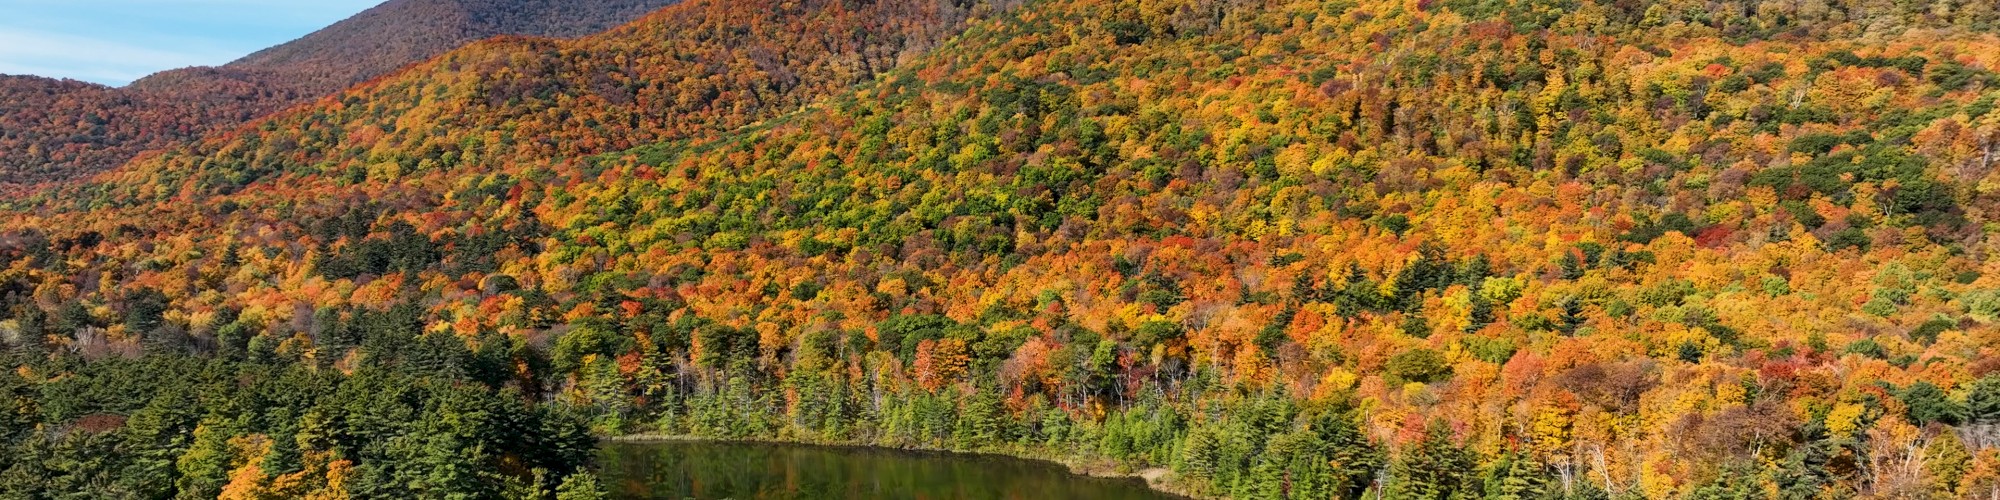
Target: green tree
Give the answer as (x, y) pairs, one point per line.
(1436, 468)
(1983, 401)
(582, 485)
(1947, 460)
(1419, 365)
(205, 467)
(1927, 404)
(1516, 476)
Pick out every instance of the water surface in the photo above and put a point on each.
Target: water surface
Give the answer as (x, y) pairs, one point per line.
(744, 471)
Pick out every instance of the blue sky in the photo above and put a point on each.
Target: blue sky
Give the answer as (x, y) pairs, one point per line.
(117, 41)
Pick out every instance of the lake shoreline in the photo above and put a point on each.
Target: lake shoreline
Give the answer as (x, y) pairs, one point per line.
(1158, 479)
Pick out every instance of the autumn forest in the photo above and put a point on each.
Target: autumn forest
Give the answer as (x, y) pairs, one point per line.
(1278, 249)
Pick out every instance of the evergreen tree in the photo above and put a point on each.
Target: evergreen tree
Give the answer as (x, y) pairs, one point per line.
(582, 485)
(1436, 468)
(1516, 476)
(1983, 401)
(1927, 403)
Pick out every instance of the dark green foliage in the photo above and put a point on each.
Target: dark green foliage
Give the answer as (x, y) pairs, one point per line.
(1848, 238)
(408, 435)
(1689, 352)
(598, 338)
(1817, 463)
(1867, 347)
(1927, 332)
(1927, 403)
(400, 250)
(1517, 476)
(901, 334)
(1267, 447)
(582, 485)
(1819, 144)
(1649, 230)
(1160, 291)
(1491, 350)
(1983, 401)
(1418, 365)
(1156, 332)
(144, 308)
(1952, 75)
(724, 347)
(1394, 223)
(1436, 468)
(1737, 482)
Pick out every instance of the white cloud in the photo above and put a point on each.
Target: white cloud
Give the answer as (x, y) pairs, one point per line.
(117, 41)
(52, 54)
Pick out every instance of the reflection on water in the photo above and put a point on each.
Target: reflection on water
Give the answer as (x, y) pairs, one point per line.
(703, 470)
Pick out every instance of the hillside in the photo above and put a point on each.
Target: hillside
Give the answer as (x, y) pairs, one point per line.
(238, 413)
(1287, 249)
(61, 129)
(399, 32)
(54, 130)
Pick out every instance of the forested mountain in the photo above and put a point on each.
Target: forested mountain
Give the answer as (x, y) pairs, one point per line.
(361, 402)
(400, 32)
(1286, 249)
(61, 129)
(56, 129)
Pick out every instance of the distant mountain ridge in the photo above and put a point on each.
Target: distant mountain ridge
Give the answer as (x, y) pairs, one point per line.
(397, 33)
(52, 130)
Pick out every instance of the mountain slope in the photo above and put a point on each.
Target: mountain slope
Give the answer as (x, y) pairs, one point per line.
(62, 129)
(254, 420)
(1452, 248)
(397, 33)
(55, 130)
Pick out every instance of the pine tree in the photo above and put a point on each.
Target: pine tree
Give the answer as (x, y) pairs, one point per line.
(205, 467)
(1516, 476)
(1983, 402)
(1198, 455)
(1436, 468)
(582, 485)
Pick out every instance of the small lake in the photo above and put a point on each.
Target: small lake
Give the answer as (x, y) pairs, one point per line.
(744, 471)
